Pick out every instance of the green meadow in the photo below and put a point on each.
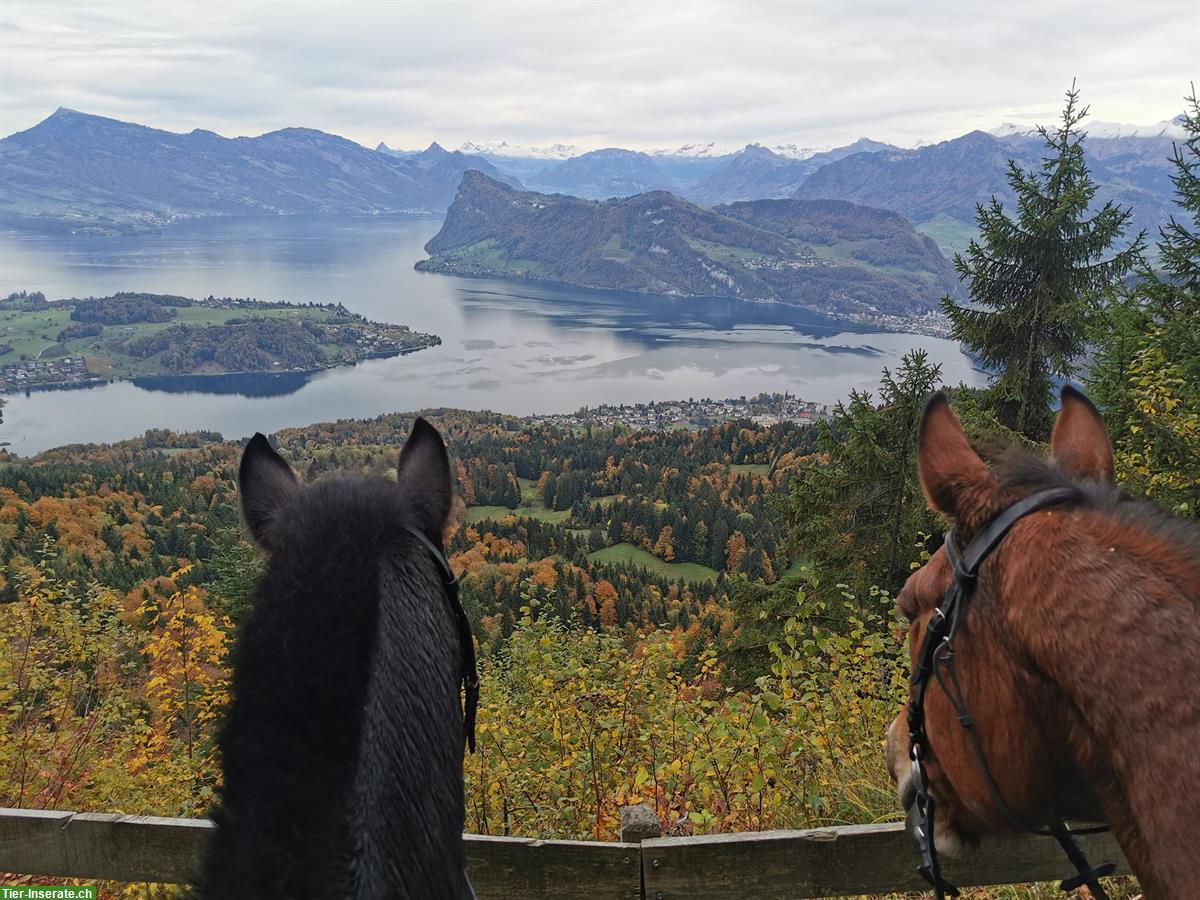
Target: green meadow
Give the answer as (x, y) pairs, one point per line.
(627, 553)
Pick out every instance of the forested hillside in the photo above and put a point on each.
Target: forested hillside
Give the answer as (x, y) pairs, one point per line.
(832, 257)
(621, 528)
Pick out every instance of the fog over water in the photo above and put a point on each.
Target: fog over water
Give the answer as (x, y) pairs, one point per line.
(509, 346)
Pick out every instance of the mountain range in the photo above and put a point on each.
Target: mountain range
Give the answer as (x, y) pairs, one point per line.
(944, 182)
(936, 186)
(86, 172)
(832, 256)
(601, 174)
(757, 172)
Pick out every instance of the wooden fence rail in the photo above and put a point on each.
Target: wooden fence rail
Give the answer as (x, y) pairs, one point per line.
(764, 865)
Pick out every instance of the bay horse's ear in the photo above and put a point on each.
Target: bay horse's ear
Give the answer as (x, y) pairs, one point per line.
(948, 468)
(1079, 443)
(424, 471)
(266, 482)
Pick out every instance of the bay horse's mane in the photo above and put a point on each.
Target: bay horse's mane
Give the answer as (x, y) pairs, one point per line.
(1020, 472)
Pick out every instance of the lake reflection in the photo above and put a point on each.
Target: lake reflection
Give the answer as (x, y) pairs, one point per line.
(512, 347)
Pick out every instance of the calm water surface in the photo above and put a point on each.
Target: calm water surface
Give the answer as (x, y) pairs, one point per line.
(507, 346)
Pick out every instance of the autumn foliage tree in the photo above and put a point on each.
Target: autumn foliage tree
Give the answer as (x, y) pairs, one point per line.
(64, 692)
(1146, 371)
(664, 547)
(186, 689)
(573, 724)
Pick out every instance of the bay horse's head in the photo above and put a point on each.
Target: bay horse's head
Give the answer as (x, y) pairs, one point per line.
(1010, 702)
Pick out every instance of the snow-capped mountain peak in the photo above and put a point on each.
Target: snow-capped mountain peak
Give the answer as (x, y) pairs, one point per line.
(1011, 129)
(713, 150)
(691, 151)
(505, 149)
(1167, 128)
(794, 151)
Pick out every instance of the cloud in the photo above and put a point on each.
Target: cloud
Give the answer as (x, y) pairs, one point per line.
(595, 73)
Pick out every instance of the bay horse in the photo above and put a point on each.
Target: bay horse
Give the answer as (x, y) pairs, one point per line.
(1078, 656)
(343, 746)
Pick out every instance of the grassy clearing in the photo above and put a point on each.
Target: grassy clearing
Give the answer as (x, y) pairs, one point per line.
(529, 492)
(542, 514)
(30, 332)
(796, 568)
(627, 553)
(722, 253)
(487, 513)
(951, 235)
(488, 255)
(525, 510)
(751, 468)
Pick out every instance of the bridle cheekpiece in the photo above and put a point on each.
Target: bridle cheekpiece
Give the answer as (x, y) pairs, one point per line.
(466, 641)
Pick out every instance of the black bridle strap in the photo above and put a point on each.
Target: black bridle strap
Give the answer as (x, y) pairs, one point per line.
(937, 651)
(1087, 875)
(466, 641)
(967, 565)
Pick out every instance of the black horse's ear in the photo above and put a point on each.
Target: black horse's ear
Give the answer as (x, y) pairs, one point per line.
(424, 473)
(266, 483)
(949, 469)
(1079, 443)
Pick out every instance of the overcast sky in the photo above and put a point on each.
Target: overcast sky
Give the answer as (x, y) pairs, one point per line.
(594, 74)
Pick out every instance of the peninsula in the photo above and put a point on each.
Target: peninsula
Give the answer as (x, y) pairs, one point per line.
(831, 256)
(56, 343)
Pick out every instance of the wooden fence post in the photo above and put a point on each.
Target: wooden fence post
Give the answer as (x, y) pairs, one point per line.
(639, 822)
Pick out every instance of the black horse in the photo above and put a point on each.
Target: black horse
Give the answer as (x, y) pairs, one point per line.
(343, 747)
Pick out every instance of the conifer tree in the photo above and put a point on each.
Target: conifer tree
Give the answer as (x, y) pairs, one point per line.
(856, 508)
(1035, 280)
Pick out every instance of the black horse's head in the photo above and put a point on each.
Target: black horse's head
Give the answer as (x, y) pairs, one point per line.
(342, 750)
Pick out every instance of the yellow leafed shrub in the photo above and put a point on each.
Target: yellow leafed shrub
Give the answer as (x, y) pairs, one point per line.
(573, 725)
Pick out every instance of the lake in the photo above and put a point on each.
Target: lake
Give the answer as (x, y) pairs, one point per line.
(508, 346)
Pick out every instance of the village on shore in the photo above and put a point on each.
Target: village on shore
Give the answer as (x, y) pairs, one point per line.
(762, 409)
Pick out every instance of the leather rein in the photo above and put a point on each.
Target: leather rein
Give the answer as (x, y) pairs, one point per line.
(936, 662)
(469, 672)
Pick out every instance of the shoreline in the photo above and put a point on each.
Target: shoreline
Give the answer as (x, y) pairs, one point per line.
(763, 410)
(939, 328)
(100, 380)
